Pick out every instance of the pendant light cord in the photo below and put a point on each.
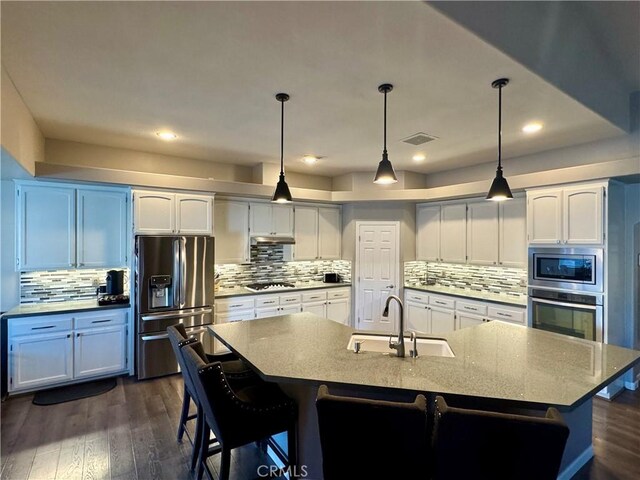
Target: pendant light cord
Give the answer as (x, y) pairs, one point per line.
(500, 128)
(282, 139)
(385, 121)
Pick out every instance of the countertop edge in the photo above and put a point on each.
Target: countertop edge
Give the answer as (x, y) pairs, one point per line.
(9, 315)
(245, 293)
(505, 301)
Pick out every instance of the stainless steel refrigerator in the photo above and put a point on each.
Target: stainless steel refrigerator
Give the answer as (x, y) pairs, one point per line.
(174, 284)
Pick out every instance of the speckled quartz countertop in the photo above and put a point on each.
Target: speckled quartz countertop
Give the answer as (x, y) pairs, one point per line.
(519, 301)
(240, 291)
(32, 309)
(496, 361)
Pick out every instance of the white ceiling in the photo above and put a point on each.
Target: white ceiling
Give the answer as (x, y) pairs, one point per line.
(113, 73)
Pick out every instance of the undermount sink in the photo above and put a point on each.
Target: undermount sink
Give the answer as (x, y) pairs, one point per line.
(431, 347)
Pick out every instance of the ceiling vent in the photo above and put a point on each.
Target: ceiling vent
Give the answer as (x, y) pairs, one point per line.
(419, 139)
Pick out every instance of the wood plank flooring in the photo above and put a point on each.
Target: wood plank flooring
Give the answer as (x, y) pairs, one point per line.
(129, 434)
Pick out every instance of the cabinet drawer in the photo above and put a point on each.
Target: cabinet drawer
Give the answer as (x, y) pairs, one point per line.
(412, 296)
(442, 301)
(290, 299)
(314, 296)
(100, 318)
(234, 304)
(267, 301)
(476, 308)
(338, 293)
(43, 324)
(516, 316)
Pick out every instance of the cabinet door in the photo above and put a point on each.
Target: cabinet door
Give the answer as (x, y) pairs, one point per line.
(428, 233)
(468, 320)
(102, 228)
(417, 317)
(582, 212)
(267, 312)
(282, 220)
(40, 360)
(329, 233)
(154, 212)
(98, 351)
(46, 227)
(442, 320)
(544, 217)
(289, 309)
(261, 219)
(482, 233)
(306, 233)
(453, 235)
(513, 233)
(194, 214)
(339, 311)
(232, 231)
(317, 308)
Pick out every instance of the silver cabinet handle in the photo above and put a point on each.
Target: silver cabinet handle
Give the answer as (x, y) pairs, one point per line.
(42, 328)
(179, 314)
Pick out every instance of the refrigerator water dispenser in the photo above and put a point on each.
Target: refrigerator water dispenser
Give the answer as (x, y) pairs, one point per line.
(160, 291)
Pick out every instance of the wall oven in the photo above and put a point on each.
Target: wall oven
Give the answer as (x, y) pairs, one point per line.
(579, 269)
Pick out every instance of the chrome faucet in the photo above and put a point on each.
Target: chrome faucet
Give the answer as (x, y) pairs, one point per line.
(399, 345)
(414, 340)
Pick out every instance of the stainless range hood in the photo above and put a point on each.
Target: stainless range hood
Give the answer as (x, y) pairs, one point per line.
(272, 240)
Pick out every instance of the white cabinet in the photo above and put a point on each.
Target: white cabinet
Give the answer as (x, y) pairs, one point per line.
(453, 245)
(569, 215)
(270, 219)
(482, 233)
(469, 320)
(232, 231)
(428, 232)
(306, 233)
(443, 320)
(266, 312)
(46, 227)
(417, 317)
(165, 213)
(513, 233)
(98, 351)
(102, 228)
(339, 310)
(317, 308)
(329, 233)
(428, 313)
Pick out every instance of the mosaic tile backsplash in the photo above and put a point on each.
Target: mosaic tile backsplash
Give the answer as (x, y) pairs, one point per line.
(268, 265)
(510, 281)
(63, 285)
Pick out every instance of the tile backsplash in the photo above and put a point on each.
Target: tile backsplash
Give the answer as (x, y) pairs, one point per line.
(268, 265)
(510, 281)
(63, 285)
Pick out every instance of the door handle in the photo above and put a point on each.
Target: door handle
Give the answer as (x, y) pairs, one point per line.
(176, 273)
(155, 337)
(182, 314)
(391, 286)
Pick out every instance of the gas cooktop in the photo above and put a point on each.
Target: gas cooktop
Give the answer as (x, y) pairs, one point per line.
(261, 287)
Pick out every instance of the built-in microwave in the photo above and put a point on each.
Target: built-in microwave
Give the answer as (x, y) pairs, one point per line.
(567, 268)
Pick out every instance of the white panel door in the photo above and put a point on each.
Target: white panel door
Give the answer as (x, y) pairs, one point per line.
(260, 218)
(194, 214)
(39, 360)
(428, 233)
(544, 217)
(378, 264)
(306, 233)
(46, 227)
(232, 231)
(102, 228)
(98, 351)
(513, 233)
(443, 320)
(417, 317)
(282, 220)
(339, 310)
(453, 234)
(154, 213)
(317, 308)
(482, 233)
(582, 212)
(329, 233)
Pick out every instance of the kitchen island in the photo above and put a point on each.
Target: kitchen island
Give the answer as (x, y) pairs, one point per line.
(496, 365)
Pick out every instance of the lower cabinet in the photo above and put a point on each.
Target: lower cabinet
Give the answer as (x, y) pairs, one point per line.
(339, 310)
(76, 346)
(442, 320)
(317, 308)
(469, 320)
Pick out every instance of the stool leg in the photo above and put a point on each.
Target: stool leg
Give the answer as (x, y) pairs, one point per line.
(292, 446)
(225, 463)
(203, 450)
(186, 401)
(197, 438)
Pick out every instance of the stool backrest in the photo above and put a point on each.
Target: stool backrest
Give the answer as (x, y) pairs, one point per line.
(178, 338)
(488, 445)
(364, 438)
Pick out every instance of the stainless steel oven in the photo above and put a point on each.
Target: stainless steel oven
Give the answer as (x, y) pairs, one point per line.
(579, 269)
(578, 314)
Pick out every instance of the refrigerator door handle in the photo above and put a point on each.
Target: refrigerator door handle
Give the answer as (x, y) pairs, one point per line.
(154, 337)
(162, 316)
(183, 271)
(176, 273)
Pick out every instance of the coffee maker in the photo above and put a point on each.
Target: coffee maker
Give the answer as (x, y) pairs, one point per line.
(115, 282)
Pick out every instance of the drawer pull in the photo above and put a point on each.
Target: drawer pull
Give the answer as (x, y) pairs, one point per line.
(439, 303)
(503, 314)
(42, 328)
(235, 306)
(290, 299)
(101, 321)
(269, 303)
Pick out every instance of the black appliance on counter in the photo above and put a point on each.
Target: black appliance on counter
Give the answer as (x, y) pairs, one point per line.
(115, 282)
(332, 278)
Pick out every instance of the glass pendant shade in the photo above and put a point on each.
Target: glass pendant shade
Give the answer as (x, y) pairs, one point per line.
(282, 193)
(385, 174)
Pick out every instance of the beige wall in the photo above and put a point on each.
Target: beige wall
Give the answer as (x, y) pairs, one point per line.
(20, 135)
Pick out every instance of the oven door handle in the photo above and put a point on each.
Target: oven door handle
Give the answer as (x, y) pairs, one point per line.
(564, 304)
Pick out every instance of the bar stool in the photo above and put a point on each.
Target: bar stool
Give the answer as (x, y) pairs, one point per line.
(363, 438)
(237, 416)
(487, 445)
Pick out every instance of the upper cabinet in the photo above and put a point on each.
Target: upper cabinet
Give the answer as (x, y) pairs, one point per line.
(166, 213)
(482, 233)
(512, 251)
(329, 233)
(66, 227)
(271, 219)
(317, 233)
(231, 231)
(453, 239)
(571, 215)
(428, 232)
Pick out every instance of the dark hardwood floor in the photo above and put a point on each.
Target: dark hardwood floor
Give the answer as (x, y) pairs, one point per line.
(129, 433)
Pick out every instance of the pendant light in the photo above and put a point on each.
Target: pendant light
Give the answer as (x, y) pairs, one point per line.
(385, 174)
(282, 193)
(499, 190)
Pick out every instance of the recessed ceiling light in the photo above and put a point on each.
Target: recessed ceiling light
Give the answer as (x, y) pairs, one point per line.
(166, 135)
(310, 159)
(419, 157)
(532, 127)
